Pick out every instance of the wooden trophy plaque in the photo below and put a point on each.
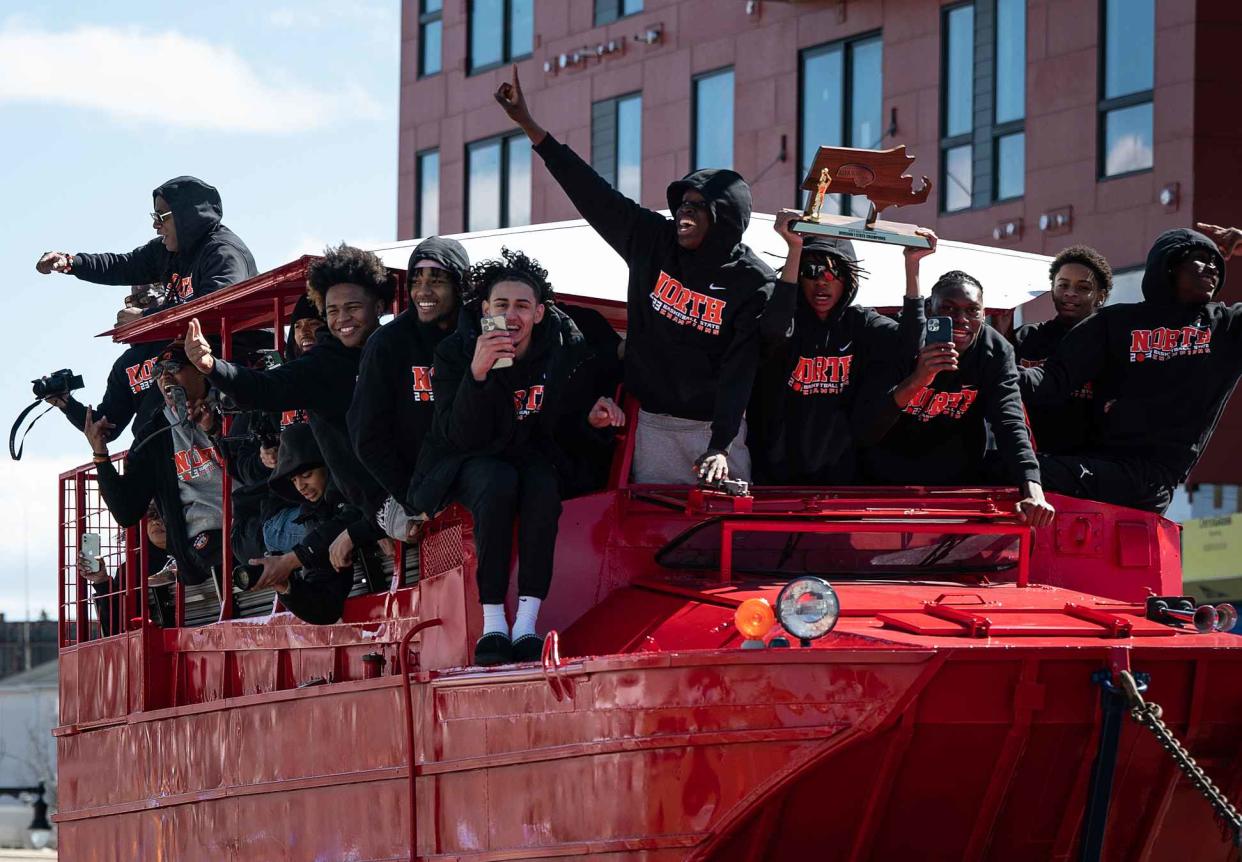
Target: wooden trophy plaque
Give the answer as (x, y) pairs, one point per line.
(878, 175)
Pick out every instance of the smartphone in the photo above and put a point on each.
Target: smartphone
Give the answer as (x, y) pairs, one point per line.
(494, 324)
(89, 548)
(939, 330)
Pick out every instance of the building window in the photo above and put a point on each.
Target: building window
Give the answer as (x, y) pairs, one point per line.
(430, 27)
(712, 145)
(607, 11)
(616, 143)
(957, 119)
(983, 107)
(1127, 70)
(500, 31)
(1009, 101)
(840, 104)
(427, 194)
(498, 183)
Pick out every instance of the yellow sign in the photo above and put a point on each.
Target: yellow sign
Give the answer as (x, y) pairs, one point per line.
(1212, 548)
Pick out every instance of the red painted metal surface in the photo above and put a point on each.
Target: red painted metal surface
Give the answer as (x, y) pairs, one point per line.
(949, 715)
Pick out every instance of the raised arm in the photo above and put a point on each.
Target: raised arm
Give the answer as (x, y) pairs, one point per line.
(1078, 359)
(143, 265)
(296, 385)
(1002, 404)
(778, 312)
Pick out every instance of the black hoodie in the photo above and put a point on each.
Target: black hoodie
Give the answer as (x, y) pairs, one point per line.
(394, 402)
(692, 337)
(317, 593)
(514, 412)
(802, 415)
(209, 255)
(1162, 370)
(321, 382)
(129, 383)
(1065, 428)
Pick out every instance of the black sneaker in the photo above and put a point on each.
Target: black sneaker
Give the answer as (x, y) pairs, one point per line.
(528, 648)
(492, 649)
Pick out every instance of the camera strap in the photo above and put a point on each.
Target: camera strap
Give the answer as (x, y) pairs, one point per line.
(16, 454)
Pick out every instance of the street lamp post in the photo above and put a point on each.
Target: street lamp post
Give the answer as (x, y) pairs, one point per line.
(40, 828)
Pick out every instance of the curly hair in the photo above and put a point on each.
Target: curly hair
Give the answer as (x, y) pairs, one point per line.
(1091, 259)
(848, 271)
(345, 264)
(956, 277)
(510, 266)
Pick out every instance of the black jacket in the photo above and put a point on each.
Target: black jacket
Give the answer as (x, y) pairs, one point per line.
(129, 383)
(210, 256)
(151, 474)
(394, 402)
(321, 382)
(692, 336)
(940, 437)
(515, 411)
(802, 416)
(1065, 428)
(1162, 370)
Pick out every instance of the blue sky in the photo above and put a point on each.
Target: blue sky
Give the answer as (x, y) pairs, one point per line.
(290, 111)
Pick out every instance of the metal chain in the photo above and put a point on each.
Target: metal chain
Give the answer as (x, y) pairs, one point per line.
(1149, 716)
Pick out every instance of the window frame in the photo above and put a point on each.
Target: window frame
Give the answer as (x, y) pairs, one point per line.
(613, 104)
(948, 143)
(615, 13)
(1106, 106)
(506, 35)
(847, 46)
(425, 18)
(418, 189)
(1009, 127)
(502, 141)
(694, 109)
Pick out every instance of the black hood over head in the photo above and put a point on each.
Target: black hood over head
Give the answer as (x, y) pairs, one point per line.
(298, 451)
(1158, 284)
(728, 199)
(195, 206)
(842, 250)
(449, 253)
(302, 310)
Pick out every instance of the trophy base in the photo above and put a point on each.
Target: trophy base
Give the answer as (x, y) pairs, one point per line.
(846, 227)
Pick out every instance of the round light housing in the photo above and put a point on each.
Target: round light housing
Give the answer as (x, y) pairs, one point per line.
(808, 607)
(754, 619)
(1227, 618)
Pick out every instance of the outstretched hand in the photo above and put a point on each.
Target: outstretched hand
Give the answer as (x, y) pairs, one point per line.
(197, 349)
(783, 219)
(96, 431)
(1227, 239)
(913, 255)
(54, 261)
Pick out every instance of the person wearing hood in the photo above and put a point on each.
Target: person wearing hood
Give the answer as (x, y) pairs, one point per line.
(130, 379)
(174, 462)
(353, 288)
(817, 347)
(394, 403)
(932, 427)
(192, 254)
(694, 298)
(500, 396)
(1162, 370)
(1081, 282)
(311, 585)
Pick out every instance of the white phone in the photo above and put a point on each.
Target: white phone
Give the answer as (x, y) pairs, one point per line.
(89, 548)
(493, 324)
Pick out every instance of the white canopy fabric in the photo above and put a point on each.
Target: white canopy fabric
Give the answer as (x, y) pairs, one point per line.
(582, 264)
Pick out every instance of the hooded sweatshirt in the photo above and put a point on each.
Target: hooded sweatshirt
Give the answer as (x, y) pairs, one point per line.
(1162, 370)
(692, 337)
(940, 437)
(209, 255)
(394, 402)
(125, 397)
(514, 412)
(1065, 428)
(321, 382)
(802, 414)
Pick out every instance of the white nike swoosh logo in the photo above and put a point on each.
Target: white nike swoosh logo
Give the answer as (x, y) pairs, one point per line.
(716, 287)
(845, 346)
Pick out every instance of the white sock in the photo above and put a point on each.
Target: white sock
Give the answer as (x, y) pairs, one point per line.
(494, 620)
(527, 613)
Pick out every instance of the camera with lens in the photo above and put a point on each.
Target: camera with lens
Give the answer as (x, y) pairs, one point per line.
(58, 383)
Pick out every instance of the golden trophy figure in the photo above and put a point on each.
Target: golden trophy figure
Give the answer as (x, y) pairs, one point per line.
(879, 176)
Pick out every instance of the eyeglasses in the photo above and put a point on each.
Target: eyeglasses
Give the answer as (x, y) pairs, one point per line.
(813, 270)
(159, 217)
(167, 366)
(696, 206)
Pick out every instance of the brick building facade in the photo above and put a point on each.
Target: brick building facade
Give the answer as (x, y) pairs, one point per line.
(1041, 123)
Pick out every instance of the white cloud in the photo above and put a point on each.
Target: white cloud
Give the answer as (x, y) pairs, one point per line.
(164, 78)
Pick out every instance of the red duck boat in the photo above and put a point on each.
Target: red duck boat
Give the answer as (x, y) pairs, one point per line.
(961, 691)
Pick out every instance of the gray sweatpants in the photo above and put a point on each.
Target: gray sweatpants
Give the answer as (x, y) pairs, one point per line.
(665, 448)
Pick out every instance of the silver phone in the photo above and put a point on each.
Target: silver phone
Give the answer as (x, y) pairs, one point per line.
(90, 548)
(494, 324)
